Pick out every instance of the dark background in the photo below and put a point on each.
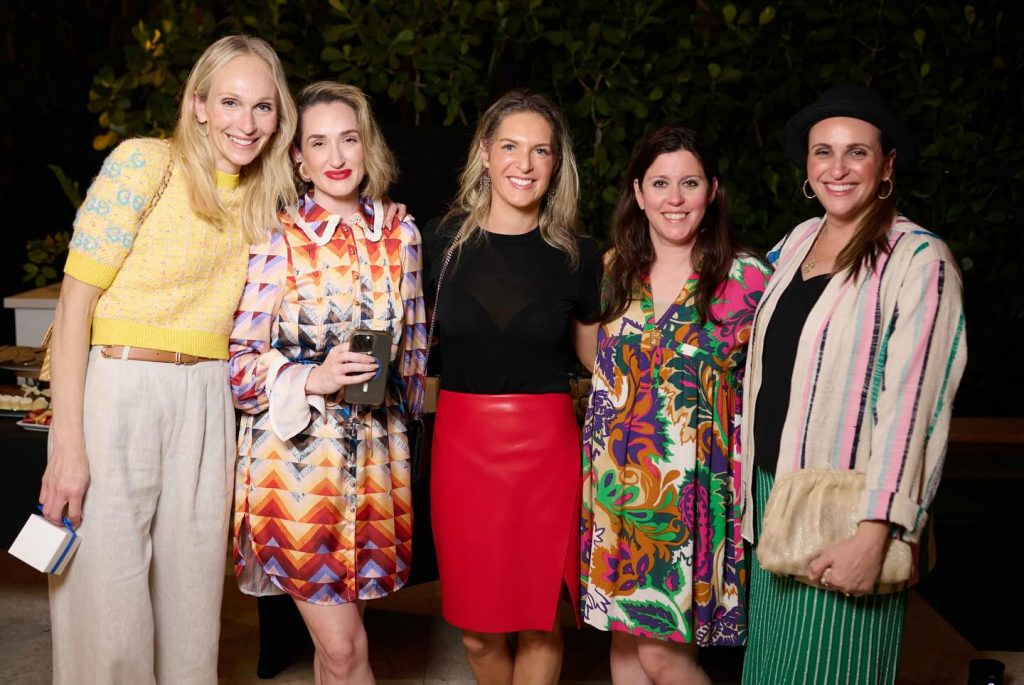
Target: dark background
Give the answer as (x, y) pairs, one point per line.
(953, 70)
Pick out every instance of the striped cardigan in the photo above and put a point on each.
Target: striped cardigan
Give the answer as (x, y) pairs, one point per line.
(878, 364)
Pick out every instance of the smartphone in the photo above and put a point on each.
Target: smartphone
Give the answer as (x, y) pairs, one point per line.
(377, 344)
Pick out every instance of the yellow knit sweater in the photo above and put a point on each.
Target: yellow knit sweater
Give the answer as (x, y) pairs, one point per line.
(172, 283)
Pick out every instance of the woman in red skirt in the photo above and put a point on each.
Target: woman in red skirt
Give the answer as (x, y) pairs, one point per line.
(518, 293)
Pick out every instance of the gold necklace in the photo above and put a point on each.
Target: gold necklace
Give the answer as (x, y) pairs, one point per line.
(811, 261)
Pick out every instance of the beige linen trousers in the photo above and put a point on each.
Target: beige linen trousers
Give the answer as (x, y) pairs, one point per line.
(140, 602)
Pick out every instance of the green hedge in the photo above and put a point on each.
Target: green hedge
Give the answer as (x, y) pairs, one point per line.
(734, 71)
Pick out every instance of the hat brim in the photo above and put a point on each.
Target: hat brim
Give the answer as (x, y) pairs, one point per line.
(794, 134)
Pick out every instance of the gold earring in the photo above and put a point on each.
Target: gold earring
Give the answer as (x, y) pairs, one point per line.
(809, 196)
(204, 128)
(303, 176)
(892, 186)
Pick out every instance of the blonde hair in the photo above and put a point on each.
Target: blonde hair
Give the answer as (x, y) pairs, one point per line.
(559, 215)
(381, 169)
(266, 181)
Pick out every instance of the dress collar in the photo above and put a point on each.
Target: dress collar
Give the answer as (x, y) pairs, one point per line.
(320, 225)
(316, 222)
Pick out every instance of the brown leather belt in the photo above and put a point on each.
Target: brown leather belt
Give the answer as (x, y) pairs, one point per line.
(144, 354)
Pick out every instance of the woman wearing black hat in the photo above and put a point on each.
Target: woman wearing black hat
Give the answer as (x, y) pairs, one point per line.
(856, 353)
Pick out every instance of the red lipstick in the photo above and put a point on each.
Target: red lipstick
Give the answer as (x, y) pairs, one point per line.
(339, 175)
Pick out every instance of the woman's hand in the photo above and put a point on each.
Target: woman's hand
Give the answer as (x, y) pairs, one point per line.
(340, 368)
(854, 565)
(64, 484)
(393, 209)
(67, 471)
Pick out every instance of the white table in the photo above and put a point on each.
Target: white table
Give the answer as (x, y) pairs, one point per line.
(33, 313)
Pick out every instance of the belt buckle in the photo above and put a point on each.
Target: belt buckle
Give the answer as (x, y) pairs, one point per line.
(178, 361)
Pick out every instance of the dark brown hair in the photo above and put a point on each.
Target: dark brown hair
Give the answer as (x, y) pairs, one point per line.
(715, 245)
(871, 239)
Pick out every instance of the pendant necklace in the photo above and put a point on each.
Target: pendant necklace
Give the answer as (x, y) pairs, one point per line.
(812, 262)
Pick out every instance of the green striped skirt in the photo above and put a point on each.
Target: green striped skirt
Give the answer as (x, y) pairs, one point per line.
(800, 634)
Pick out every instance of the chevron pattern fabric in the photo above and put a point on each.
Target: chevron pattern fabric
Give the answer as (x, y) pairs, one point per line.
(320, 516)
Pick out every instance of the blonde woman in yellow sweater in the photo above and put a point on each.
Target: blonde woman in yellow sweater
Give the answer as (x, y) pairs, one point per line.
(142, 440)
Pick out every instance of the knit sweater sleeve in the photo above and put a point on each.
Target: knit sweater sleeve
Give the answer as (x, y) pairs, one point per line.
(108, 220)
(924, 348)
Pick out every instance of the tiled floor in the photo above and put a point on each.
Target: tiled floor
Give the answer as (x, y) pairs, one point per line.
(411, 645)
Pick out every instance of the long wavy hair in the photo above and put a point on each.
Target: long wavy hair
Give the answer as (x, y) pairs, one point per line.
(267, 181)
(381, 169)
(871, 238)
(559, 214)
(633, 255)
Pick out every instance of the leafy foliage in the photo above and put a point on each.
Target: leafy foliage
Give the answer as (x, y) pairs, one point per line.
(45, 258)
(734, 71)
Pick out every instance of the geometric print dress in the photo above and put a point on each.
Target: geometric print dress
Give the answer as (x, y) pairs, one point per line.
(323, 513)
(662, 552)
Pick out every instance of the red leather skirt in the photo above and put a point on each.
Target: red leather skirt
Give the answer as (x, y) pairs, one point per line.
(505, 502)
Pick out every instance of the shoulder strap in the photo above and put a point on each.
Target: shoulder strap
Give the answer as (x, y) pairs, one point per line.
(165, 178)
(44, 371)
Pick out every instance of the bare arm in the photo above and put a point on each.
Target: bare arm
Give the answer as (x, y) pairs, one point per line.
(67, 473)
(584, 337)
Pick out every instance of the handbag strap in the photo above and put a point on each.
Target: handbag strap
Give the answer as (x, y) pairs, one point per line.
(433, 321)
(160, 188)
(165, 178)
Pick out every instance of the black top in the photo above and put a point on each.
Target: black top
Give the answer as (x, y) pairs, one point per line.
(506, 309)
(777, 360)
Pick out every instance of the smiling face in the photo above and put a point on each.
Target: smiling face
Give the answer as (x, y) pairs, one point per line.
(333, 156)
(845, 164)
(521, 162)
(241, 111)
(674, 194)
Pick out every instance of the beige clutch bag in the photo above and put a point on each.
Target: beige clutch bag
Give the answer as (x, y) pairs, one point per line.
(810, 510)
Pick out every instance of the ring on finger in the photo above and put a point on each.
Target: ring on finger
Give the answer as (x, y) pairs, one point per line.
(826, 578)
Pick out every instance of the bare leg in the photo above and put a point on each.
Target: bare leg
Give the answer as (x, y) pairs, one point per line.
(670, 663)
(489, 657)
(625, 661)
(342, 654)
(539, 657)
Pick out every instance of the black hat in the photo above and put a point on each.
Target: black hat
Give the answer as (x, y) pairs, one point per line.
(856, 102)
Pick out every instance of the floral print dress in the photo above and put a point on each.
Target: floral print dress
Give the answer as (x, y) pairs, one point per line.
(662, 551)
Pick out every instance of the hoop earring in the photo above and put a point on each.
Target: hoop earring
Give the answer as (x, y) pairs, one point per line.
(204, 128)
(303, 176)
(892, 186)
(809, 196)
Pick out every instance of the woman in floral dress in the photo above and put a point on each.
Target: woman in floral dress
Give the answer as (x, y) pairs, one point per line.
(323, 500)
(662, 563)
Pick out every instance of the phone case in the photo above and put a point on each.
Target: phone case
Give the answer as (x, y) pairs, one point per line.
(377, 344)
